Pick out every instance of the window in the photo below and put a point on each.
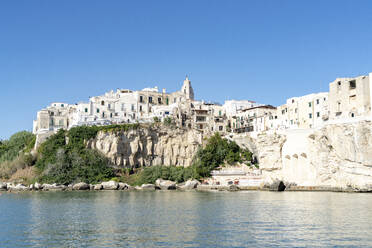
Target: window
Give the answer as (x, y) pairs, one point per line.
(220, 128)
(283, 111)
(62, 105)
(324, 99)
(86, 110)
(286, 110)
(141, 98)
(102, 103)
(292, 100)
(61, 122)
(295, 110)
(291, 122)
(150, 99)
(167, 101)
(219, 113)
(51, 113)
(317, 114)
(111, 115)
(109, 106)
(103, 114)
(309, 104)
(317, 101)
(174, 100)
(132, 107)
(352, 84)
(310, 116)
(159, 100)
(140, 108)
(352, 115)
(98, 110)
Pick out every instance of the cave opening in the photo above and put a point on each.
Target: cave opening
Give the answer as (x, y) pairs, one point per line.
(281, 186)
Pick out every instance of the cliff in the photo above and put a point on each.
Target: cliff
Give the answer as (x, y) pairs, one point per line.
(158, 145)
(338, 155)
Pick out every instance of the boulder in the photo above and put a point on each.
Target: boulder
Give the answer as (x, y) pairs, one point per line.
(188, 185)
(165, 184)
(124, 186)
(18, 187)
(31, 187)
(97, 186)
(233, 187)
(37, 186)
(81, 186)
(110, 185)
(3, 187)
(53, 187)
(91, 187)
(148, 187)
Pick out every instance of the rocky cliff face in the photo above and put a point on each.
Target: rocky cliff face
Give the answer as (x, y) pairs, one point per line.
(148, 146)
(338, 155)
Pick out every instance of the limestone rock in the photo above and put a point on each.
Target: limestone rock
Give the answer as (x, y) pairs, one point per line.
(148, 187)
(165, 184)
(110, 185)
(124, 186)
(81, 186)
(97, 186)
(148, 146)
(37, 186)
(335, 156)
(53, 187)
(3, 187)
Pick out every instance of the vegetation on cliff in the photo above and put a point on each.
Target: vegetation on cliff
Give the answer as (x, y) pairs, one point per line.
(217, 152)
(14, 153)
(64, 158)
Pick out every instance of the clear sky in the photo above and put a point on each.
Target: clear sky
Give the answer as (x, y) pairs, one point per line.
(261, 50)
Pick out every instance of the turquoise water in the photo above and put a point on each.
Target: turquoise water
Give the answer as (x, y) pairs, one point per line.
(185, 219)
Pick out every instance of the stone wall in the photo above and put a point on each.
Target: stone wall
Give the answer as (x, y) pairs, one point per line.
(148, 146)
(338, 155)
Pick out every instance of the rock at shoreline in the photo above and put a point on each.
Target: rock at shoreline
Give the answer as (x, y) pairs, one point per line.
(233, 188)
(124, 186)
(148, 187)
(37, 186)
(81, 186)
(110, 185)
(54, 187)
(188, 185)
(165, 184)
(3, 187)
(97, 186)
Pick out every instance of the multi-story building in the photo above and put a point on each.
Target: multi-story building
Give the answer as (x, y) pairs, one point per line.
(350, 97)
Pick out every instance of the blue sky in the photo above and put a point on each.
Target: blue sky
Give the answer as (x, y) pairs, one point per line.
(265, 51)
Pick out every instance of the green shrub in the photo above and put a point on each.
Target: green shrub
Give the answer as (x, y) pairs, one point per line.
(10, 149)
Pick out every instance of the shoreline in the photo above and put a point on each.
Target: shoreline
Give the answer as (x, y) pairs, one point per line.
(198, 188)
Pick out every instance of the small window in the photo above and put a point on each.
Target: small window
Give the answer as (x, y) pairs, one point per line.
(309, 104)
(352, 84)
(167, 101)
(132, 107)
(159, 100)
(103, 114)
(109, 106)
(219, 113)
(317, 114)
(339, 83)
(296, 110)
(292, 100)
(97, 110)
(310, 116)
(352, 115)
(220, 128)
(317, 101)
(62, 105)
(102, 103)
(141, 98)
(150, 99)
(140, 108)
(86, 110)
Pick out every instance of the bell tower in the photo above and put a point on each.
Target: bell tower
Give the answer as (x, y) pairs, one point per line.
(187, 89)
